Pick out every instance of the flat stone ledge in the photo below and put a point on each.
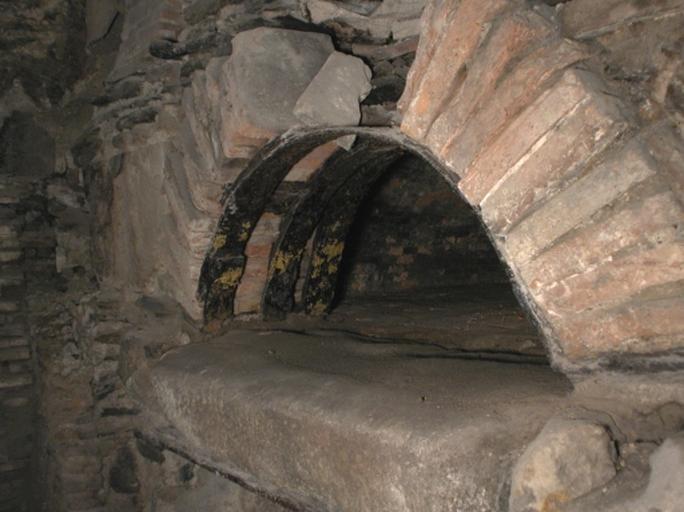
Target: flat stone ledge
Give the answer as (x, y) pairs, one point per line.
(332, 422)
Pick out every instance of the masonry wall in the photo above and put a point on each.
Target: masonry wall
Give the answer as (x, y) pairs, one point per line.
(414, 232)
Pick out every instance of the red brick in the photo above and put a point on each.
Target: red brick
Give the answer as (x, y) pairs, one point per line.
(434, 20)
(457, 43)
(655, 219)
(308, 165)
(525, 134)
(504, 43)
(614, 280)
(576, 203)
(520, 87)
(644, 327)
(258, 251)
(568, 148)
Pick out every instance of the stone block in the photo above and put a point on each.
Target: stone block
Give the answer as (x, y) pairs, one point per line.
(9, 306)
(378, 53)
(10, 256)
(665, 490)
(621, 170)
(13, 342)
(505, 41)
(562, 155)
(464, 28)
(15, 381)
(334, 94)
(100, 15)
(15, 354)
(567, 459)
(517, 90)
(667, 147)
(326, 423)
(265, 76)
(377, 22)
(404, 29)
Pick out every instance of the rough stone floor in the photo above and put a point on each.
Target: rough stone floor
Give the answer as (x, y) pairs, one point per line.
(479, 318)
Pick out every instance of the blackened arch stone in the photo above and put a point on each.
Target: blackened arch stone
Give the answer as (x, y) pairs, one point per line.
(244, 202)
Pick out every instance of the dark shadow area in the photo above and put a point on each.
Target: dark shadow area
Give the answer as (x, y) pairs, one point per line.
(418, 264)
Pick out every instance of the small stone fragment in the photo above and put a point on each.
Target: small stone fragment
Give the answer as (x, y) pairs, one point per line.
(568, 459)
(333, 96)
(665, 491)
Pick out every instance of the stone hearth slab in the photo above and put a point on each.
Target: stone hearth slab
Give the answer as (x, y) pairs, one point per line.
(331, 422)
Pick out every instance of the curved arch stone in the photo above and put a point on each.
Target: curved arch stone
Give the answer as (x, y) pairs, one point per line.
(244, 202)
(330, 239)
(363, 159)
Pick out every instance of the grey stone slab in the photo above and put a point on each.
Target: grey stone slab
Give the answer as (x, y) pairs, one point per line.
(333, 423)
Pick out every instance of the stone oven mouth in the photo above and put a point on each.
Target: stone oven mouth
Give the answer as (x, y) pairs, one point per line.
(371, 239)
(333, 372)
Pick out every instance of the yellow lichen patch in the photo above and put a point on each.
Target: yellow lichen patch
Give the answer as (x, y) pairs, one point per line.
(219, 241)
(244, 236)
(281, 261)
(316, 264)
(229, 279)
(554, 500)
(333, 250)
(318, 309)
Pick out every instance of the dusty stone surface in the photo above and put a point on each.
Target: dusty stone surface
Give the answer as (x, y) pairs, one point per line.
(651, 479)
(333, 96)
(336, 424)
(100, 15)
(474, 321)
(569, 458)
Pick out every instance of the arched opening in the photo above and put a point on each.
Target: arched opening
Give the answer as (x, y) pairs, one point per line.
(357, 387)
(418, 264)
(376, 240)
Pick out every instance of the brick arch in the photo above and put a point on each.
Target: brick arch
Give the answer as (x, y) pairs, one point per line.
(583, 201)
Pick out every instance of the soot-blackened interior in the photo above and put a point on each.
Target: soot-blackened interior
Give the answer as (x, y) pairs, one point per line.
(419, 265)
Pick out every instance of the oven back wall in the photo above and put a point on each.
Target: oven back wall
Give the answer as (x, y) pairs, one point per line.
(414, 232)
